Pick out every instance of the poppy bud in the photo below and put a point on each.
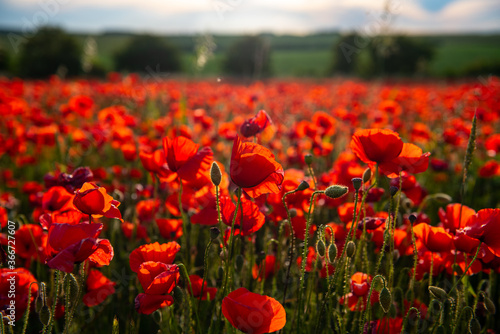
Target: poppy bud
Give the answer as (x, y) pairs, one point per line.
(320, 248)
(303, 186)
(474, 326)
(308, 158)
(178, 295)
(38, 303)
(336, 191)
(214, 232)
(157, 316)
(385, 299)
(412, 218)
(293, 212)
(215, 174)
(438, 293)
(239, 262)
(357, 182)
(393, 190)
(116, 326)
(350, 249)
(367, 175)
(489, 305)
(332, 252)
(442, 198)
(44, 315)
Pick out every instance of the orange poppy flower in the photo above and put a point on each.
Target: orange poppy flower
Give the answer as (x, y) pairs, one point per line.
(164, 253)
(254, 169)
(93, 200)
(170, 228)
(435, 239)
(241, 307)
(158, 278)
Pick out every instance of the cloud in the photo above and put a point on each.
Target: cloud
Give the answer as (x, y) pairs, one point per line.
(237, 16)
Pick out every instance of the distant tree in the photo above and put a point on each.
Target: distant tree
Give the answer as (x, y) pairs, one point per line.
(4, 59)
(248, 57)
(346, 53)
(146, 53)
(49, 51)
(400, 55)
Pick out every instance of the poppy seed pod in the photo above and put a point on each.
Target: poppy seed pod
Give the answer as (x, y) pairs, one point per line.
(214, 232)
(412, 218)
(336, 191)
(215, 174)
(357, 182)
(393, 190)
(303, 186)
(308, 158)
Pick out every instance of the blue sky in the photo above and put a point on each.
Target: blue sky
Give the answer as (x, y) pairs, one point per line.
(251, 16)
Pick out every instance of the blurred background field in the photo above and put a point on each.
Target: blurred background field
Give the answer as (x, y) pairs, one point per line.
(455, 55)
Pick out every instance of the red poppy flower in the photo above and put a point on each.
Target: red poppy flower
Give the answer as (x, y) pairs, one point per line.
(164, 253)
(360, 288)
(57, 199)
(71, 181)
(385, 148)
(3, 217)
(147, 304)
(155, 162)
(184, 158)
(266, 269)
(31, 242)
(253, 313)
(170, 228)
(196, 282)
(128, 231)
(23, 278)
(435, 239)
(158, 278)
(254, 169)
(483, 227)
(99, 287)
(376, 146)
(249, 218)
(93, 200)
(69, 244)
(455, 216)
(255, 125)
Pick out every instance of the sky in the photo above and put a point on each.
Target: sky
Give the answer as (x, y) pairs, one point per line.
(254, 16)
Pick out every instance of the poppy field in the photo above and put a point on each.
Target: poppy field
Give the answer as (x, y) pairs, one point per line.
(135, 205)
